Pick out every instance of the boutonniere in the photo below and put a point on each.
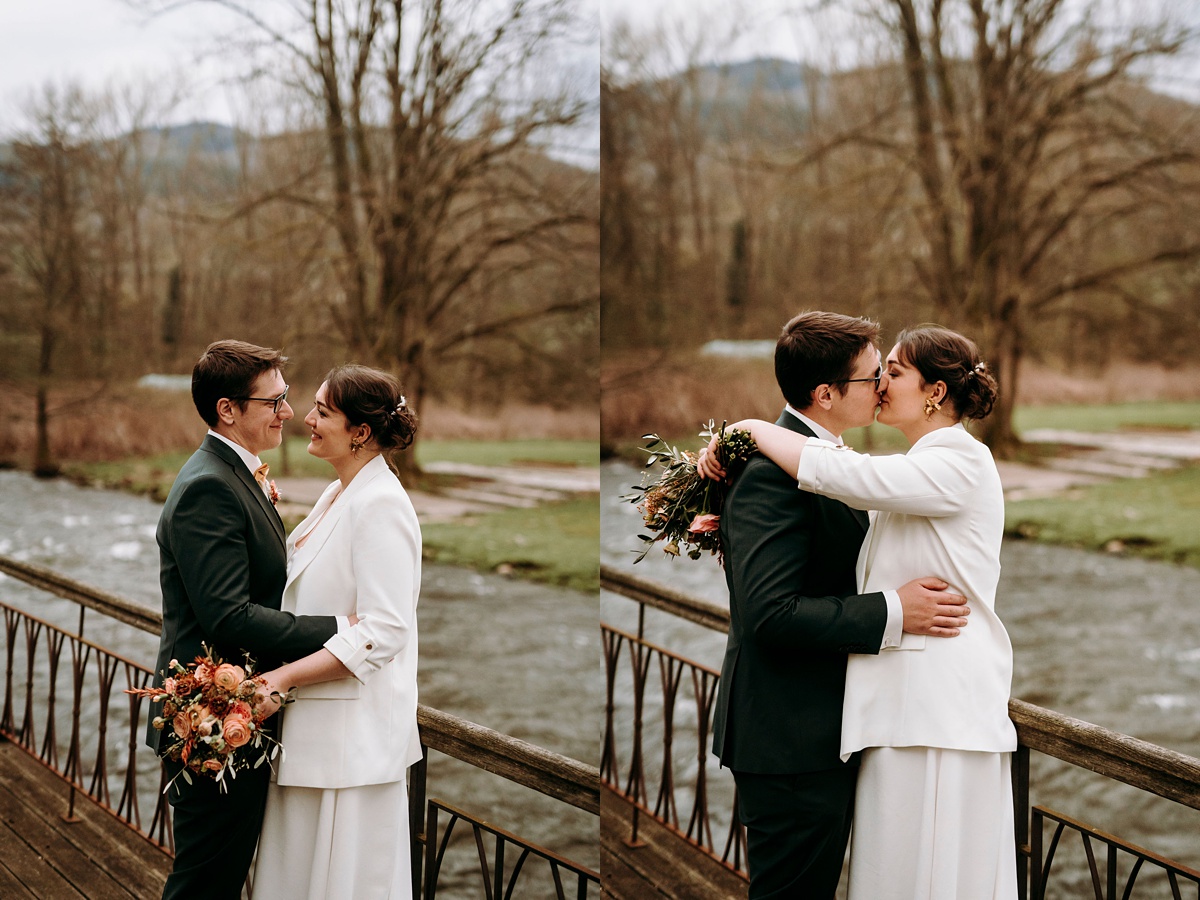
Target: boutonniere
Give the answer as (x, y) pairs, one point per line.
(273, 492)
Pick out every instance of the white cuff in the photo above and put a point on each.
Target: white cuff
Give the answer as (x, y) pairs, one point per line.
(893, 631)
(354, 650)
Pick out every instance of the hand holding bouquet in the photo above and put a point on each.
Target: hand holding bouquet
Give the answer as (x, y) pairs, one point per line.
(214, 709)
(681, 506)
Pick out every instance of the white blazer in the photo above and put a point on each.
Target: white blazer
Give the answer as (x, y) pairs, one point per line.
(939, 510)
(364, 557)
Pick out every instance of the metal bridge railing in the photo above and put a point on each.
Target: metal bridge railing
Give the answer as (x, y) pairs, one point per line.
(64, 704)
(645, 724)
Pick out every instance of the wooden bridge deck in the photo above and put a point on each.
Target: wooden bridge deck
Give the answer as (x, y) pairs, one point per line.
(663, 866)
(42, 856)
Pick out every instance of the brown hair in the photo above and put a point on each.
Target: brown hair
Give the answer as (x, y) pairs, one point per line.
(940, 354)
(229, 369)
(372, 397)
(818, 348)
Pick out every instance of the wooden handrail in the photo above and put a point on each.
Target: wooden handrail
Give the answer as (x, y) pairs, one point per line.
(1120, 757)
(519, 761)
(553, 774)
(651, 593)
(119, 608)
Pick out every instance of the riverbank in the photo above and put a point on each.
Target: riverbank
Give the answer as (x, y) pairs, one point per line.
(521, 508)
(1121, 479)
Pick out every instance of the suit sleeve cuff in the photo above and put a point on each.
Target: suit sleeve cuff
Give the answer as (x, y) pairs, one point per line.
(893, 631)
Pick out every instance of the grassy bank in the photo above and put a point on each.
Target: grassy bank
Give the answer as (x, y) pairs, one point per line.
(152, 475)
(1157, 517)
(554, 543)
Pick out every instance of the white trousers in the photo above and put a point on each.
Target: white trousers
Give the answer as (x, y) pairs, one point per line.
(332, 844)
(933, 824)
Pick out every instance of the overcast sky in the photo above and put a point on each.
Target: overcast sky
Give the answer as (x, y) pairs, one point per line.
(95, 41)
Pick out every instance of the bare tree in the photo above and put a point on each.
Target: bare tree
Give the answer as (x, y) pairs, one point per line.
(46, 235)
(436, 189)
(1028, 127)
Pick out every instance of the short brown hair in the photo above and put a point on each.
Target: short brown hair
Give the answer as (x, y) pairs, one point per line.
(818, 348)
(373, 397)
(229, 369)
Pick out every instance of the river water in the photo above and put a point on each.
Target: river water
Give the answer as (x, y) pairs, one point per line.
(517, 657)
(1110, 640)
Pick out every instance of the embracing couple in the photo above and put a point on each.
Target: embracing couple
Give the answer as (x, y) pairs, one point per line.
(329, 614)
(853, 689)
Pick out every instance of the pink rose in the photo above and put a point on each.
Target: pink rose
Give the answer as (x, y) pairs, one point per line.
(704, 524)
(203, 674)
(228, 677)
(183, 725)
(213, 765)
(237, 731)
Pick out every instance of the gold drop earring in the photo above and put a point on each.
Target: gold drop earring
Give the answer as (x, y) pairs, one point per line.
(931, 406)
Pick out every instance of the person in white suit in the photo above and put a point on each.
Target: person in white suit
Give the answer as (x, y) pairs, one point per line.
(336, 824)
(934, 816)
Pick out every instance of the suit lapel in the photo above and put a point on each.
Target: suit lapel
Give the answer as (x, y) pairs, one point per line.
(361, 482)
(244, 475)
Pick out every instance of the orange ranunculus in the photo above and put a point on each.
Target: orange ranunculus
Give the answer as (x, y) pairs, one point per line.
(228, 676)
(706, 523)
(237, 731)
(240, 708)
(213, 765)
(183, 725)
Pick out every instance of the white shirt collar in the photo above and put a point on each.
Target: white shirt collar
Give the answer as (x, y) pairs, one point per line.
(819, 430)
(252, 462)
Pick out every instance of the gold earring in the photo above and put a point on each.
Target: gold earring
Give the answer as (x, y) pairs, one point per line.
(355, 445)
(931, 406)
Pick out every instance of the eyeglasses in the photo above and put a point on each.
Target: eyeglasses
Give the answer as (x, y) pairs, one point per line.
(275, 402)
(875, 378)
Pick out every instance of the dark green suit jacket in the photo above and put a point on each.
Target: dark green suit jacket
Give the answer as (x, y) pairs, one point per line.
(789, 563)
(223, 569)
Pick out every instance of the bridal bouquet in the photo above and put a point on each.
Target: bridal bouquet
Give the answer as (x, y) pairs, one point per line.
(214, 709)
(682, 507)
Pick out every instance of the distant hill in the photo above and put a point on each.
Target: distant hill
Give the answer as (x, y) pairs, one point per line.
(724, 91)
(202, 137)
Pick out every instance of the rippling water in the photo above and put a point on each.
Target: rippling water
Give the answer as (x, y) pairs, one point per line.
(520, 658)
(1110, 640)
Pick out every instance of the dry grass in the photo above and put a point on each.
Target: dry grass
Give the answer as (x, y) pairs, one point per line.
(1121, 382)
(674, 396)
(138, 422)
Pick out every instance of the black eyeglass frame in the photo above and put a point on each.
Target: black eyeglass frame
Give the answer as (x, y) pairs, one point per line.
(877, 377)
(275, 401)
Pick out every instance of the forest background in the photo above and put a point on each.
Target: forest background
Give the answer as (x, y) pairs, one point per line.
(398, 191)
(1024, 172)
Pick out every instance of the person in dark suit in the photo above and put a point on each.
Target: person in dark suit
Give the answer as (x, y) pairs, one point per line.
(223, 570)
(790, 560)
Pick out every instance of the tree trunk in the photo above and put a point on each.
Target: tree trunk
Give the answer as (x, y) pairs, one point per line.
(998, 432)
(43, 462)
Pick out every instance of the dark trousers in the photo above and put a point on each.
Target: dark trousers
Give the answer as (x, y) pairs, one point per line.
(215, 833)
(797, 828)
